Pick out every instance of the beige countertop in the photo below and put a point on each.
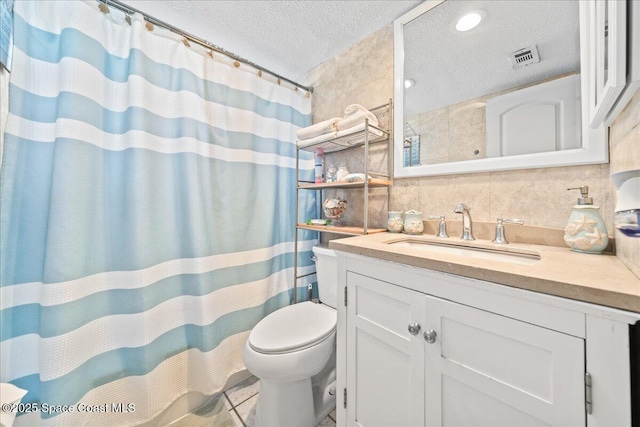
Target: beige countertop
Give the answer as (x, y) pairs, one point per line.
(598, 279)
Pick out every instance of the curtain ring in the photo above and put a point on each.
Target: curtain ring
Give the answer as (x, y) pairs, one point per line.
(236, 64)
(149, 26)
(103, 8)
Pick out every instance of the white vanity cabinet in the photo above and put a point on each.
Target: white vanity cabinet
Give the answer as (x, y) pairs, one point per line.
(484, 369)
(418, 347)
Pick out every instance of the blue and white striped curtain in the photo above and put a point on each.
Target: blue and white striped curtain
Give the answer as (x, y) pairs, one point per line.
(146, 214)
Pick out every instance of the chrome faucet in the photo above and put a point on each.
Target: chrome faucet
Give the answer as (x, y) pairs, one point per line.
(467, 225)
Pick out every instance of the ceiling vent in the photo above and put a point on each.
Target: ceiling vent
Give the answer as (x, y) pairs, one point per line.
(523, 57)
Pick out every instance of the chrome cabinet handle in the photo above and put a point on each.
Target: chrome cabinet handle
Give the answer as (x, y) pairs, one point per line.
(430, 336)
(414, 328)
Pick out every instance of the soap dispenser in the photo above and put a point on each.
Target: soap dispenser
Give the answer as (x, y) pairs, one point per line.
(585, 230)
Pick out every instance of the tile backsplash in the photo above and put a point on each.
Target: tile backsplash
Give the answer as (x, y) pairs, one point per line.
(364, 74)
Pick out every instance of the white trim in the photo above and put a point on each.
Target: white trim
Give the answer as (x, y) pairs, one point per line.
(633, 62)
(606, 92)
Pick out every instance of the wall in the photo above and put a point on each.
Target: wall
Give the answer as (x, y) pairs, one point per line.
(624, 141)
(364, 74)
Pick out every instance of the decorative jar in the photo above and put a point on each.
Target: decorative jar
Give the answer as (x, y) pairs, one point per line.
(394, 223)
(413, 222)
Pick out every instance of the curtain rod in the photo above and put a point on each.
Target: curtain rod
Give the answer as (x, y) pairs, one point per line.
(129, 10)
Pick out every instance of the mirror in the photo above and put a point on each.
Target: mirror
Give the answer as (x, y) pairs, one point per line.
(506, 94)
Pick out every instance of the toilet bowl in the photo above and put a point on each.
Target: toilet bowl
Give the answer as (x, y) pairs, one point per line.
(292, 352)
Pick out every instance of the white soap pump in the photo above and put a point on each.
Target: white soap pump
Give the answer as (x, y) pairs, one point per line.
(585, 230)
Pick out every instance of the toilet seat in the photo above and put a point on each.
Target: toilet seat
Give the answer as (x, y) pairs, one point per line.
(293, 328)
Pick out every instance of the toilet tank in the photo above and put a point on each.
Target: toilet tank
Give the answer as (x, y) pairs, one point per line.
(327, 275)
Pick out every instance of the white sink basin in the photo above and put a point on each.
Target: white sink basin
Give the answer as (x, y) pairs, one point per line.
(477, 252)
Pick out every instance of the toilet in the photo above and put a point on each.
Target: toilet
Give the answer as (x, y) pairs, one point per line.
(293, 353)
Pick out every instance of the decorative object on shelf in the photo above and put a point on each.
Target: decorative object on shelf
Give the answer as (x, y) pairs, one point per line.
(585, 231)
(354, 177)
(413, 222)
(627, 211)
(342, 173)
(332, 172)
(334, 208)
(319, 170)
(394, 223)
(318, 222)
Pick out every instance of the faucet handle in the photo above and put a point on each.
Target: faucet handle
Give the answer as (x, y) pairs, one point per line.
(442, 228)
(500, 220)
(500, 237)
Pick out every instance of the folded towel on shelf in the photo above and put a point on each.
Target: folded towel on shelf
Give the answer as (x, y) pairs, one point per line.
(355, 177)
(317, 129)
(352, 109)
(355, 119)
(331, 135)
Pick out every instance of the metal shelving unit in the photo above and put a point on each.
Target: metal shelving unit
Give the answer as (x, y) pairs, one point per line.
(366, 137)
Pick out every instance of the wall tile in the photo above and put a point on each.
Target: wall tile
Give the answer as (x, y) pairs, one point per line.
(625, 152)
(624, 140)
(607, 201)
(439, 195)
(467, 113)
(367, 60)
(434, 147)
(404, 193)
(540, 196)
(466, 142)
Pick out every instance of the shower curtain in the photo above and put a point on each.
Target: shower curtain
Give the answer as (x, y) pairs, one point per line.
(146, 214)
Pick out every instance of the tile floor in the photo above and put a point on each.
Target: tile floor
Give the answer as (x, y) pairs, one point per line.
(242, 399)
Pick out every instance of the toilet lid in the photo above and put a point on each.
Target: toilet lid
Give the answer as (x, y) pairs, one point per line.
(293, 327)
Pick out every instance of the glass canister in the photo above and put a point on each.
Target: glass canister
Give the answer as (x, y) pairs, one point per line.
(332, 172)
(413, 222)
(394, 223)
(342, 173)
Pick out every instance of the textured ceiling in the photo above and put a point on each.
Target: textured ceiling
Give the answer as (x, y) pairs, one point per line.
(449, 66)
(287, 37)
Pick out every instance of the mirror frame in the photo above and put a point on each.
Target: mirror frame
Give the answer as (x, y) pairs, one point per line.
(595, 146)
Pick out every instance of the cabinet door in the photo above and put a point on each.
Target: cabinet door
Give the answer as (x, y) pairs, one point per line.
(488, 370)
(607, 53)
(385, 363)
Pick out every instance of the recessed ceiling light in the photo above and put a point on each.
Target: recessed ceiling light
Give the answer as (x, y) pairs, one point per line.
(408, 83)
(470, 20)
